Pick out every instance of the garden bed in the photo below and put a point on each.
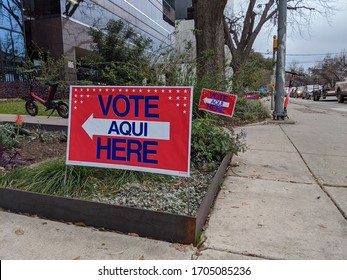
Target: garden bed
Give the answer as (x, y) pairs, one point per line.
(180, 228)
(168, 208)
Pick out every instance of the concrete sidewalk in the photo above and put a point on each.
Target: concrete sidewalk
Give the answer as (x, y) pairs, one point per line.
(285, 198)
(37, 120)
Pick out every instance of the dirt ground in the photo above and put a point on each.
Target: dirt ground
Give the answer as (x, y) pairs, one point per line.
(32, 150)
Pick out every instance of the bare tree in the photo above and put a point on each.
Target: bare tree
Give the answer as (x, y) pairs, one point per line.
(10, 15)
(241, 29)
(331, 69)
(12, 12)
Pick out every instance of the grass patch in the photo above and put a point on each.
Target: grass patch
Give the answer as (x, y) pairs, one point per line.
(113, 186)
(17, 106)
(82, 182)
(250, 110)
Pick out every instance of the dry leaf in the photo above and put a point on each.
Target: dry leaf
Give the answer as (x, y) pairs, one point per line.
(133, 234)
(19, 232)
(77, 258)
(142, 258)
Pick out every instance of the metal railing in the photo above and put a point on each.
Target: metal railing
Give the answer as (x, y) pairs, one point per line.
(9, 73)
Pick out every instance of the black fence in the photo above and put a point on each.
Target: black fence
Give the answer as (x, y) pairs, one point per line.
(9, 73)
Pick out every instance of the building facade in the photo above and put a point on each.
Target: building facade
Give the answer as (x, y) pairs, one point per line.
(12, 39)
(60, 27)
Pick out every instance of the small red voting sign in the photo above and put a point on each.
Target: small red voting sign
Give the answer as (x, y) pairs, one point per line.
(134, 128)
(217, 102)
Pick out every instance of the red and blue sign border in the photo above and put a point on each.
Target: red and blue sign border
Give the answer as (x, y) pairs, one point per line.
(228, 95)
(184, 173)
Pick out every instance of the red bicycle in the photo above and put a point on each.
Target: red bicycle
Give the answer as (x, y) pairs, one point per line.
(50, 103)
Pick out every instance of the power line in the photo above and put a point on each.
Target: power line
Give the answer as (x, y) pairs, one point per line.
(311, 54)
(305, 54)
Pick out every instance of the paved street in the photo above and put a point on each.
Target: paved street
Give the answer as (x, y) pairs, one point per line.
(285, 198)
(330, 104)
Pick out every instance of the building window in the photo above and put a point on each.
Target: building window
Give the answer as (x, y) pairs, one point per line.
(36, 9)
(169, 11)
(12, 49)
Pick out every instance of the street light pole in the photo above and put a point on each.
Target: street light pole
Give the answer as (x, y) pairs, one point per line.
(279, 111)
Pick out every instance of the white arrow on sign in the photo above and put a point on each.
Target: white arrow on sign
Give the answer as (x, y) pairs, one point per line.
(216, 102)
(126, 128)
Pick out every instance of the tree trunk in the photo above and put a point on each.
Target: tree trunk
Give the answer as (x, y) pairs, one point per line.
(209, 33)
(238, 77)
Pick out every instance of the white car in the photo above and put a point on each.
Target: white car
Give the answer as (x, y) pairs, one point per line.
(309, 89)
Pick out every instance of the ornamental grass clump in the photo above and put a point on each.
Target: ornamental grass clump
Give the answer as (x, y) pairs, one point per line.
(10, 135)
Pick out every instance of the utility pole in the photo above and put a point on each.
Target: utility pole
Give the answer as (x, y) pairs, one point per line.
(279, 111)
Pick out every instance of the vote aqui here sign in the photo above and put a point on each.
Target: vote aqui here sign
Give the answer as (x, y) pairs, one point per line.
(217, 102)
(134, 128)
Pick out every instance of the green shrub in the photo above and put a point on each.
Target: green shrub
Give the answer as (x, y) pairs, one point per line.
(250, 110)
(211, 142)
(8, 135)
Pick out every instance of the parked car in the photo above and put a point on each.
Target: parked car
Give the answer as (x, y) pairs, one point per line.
(307, 93)
(311, 89)
(323, 92)
(298, 92)
(341, 91)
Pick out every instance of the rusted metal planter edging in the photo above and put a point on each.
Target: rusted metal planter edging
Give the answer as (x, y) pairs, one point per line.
(210, 196)
(146, 223)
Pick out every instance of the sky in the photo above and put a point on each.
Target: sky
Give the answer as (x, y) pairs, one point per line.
(320, 39)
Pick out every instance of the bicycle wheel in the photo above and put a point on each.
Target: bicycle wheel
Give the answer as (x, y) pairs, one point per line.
(63, 109)
(31, 107)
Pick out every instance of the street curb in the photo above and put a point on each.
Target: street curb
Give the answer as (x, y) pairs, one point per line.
(285, 121)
